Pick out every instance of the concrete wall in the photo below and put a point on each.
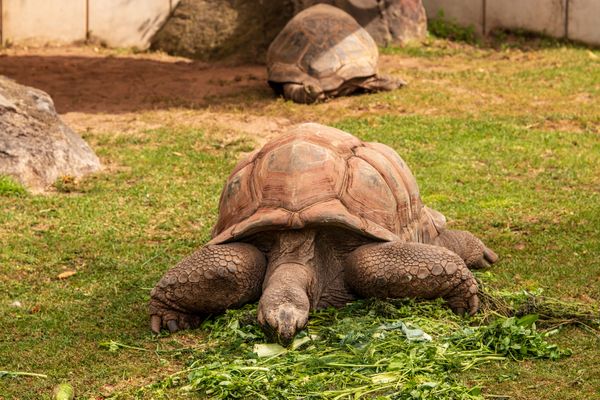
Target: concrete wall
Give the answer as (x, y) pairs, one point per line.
(126, 23)
(584, 21)
(119, 23)
(463, 12)
(24, 20)
(573, 19)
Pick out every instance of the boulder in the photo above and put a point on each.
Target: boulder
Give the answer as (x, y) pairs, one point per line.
(36, 147)
(387, 21)
(237, 30)
(241, 30)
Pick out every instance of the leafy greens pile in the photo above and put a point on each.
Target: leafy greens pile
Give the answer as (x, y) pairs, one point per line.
(394, 349)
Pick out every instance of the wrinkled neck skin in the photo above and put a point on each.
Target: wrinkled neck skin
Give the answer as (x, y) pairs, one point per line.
(317, 255)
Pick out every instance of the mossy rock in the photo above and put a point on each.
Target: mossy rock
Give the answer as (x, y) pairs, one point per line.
(387, 21)
(236, 30)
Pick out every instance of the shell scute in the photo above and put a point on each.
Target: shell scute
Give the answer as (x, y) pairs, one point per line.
(297, 174)
(324, 43)
(393, 179)
(368, 195)
(237, 198)
(317, 175)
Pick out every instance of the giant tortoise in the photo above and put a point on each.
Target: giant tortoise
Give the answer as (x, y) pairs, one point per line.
(323, 52)
(317, 218)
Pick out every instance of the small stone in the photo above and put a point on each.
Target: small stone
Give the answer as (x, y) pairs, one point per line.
(66, 274)
(16, 304)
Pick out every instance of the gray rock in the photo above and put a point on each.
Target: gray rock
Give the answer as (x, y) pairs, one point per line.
(241, 30)
(237, 30)
(387, 21)
(36, 147)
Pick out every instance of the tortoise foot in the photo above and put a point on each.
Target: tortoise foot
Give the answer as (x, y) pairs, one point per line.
(164, 316)
(211, 280)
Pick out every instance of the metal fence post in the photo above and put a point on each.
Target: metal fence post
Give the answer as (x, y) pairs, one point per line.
(1, 23)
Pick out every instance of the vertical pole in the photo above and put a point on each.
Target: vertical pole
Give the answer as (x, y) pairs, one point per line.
(484, 16)
(567, 18)
(1, 20)
(87, 20)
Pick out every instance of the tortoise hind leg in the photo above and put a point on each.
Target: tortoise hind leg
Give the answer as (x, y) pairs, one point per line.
(212, 279)
(381, 83)
(399, 269)
(468, 247)
(303, 93)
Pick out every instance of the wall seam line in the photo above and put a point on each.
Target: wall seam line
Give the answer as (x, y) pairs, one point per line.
(1, 24)
(567, 4)
(483, 16)
(87, 20)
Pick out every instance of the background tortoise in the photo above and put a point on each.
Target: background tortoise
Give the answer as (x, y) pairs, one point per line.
(317, 218)
(323, 52)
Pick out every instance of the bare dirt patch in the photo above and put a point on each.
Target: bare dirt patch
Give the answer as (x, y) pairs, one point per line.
(102, 91)
(91, 80)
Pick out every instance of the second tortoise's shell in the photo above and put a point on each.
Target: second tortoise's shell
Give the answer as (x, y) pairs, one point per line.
(316, 175)
(323, 45)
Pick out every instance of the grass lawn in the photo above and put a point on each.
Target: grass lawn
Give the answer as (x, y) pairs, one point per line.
(505, 142)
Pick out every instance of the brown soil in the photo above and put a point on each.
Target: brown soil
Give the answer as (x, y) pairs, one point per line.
(96, 80)
(99, 90)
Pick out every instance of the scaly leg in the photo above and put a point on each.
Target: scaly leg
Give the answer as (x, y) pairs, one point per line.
(306, 94)
(472, 250)
(381, 83)
(398, 270)
(211, 280)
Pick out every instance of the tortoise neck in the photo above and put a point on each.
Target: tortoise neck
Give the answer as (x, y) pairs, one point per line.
(296, 248)
(293, 246)
(316, 255)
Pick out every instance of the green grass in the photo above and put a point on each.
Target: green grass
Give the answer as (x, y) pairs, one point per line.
(8, 187)
(441, 27)
(504, 142)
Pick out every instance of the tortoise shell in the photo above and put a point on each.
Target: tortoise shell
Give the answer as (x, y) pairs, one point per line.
(322, 44)
(316, 175)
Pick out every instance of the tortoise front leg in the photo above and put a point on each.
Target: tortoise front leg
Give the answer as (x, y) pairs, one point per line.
(398, 270)
(303, 93)
(211, 280)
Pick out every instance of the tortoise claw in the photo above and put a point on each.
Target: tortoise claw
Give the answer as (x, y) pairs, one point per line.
(172, 325)
(490, 256)
(163, 316)
(155, 324)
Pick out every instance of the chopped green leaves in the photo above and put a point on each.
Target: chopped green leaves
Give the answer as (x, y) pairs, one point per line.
(395, 349)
